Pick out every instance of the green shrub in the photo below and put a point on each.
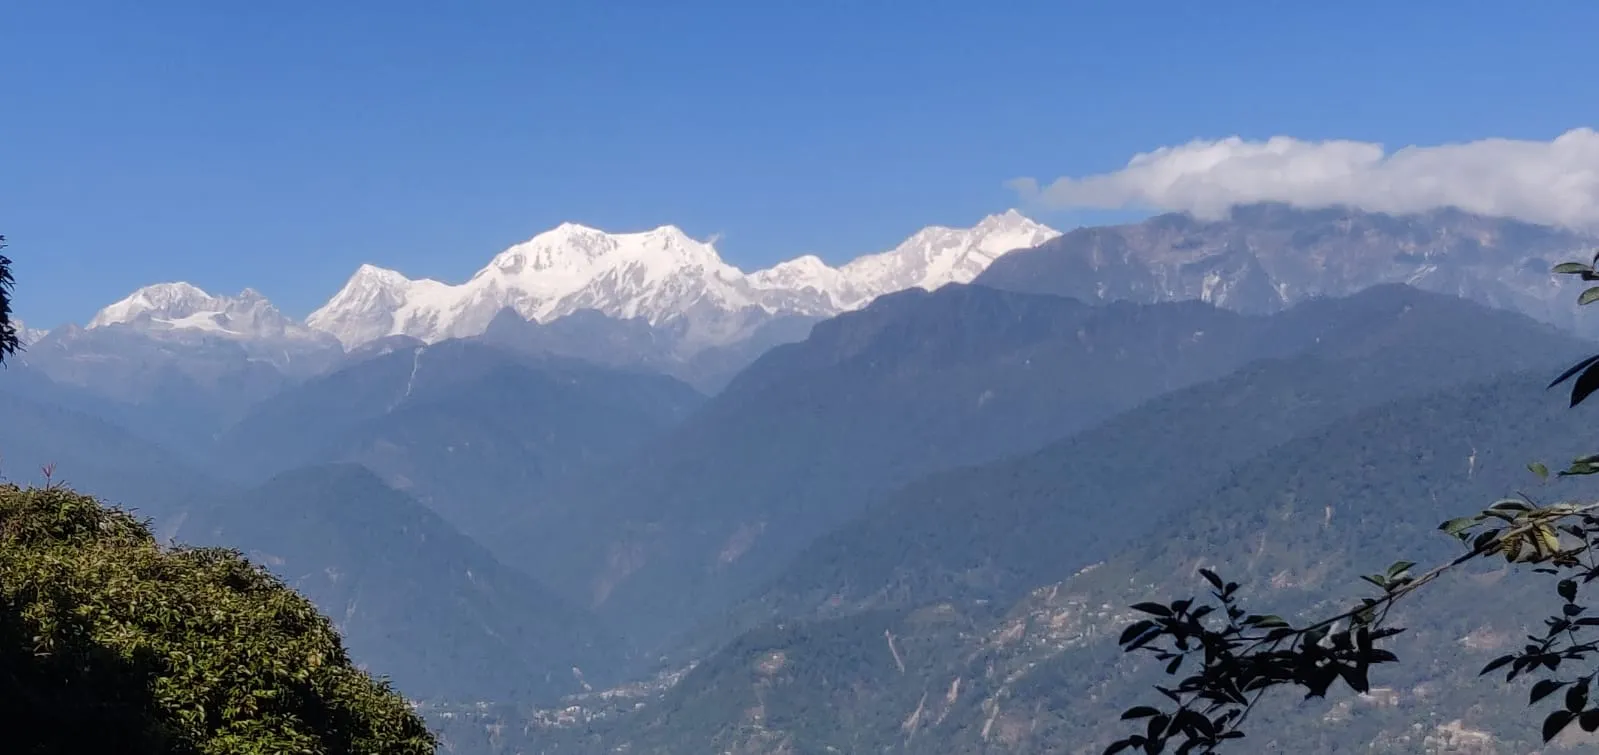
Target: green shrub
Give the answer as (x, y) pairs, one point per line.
(110, 642)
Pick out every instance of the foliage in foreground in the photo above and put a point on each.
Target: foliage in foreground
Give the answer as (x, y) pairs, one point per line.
(111, 643)
(10, 340)
(1235, 656)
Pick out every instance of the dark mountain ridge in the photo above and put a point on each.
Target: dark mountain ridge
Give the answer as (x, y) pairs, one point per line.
(919, 382)
(1296, 525)
(992, 532)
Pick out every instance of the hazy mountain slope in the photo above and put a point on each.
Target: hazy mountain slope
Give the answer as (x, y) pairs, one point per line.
(1265, 257)
(180, 390)
(812, 432)
(476, 433)
(486, 455)
(1296, 525)
(319, 419)
(994, 531)
(101, 459)
(593, 336)
(410, 594)
(175, 364)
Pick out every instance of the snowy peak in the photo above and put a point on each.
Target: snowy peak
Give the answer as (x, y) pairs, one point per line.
(807, 270)
(26, 335)
(169, 301)
(377, 302)
(373, 277)
(184, 308)
(658, 275)
(939, 255)
(563, 261)
(808, 275)
(1009, 231)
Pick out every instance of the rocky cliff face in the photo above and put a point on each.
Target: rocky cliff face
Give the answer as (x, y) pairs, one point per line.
(1264, 258)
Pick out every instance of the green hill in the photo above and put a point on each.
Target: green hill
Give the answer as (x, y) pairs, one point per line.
(111, 643)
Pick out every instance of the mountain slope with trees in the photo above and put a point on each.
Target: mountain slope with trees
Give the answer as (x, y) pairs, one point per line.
(1296, 526)
(411, 594)
(802, 440)
(476, 433)
(994, 531)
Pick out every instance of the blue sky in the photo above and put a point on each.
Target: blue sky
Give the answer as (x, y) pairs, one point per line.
(279, 145)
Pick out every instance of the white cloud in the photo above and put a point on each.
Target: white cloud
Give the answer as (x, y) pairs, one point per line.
(1550, 182)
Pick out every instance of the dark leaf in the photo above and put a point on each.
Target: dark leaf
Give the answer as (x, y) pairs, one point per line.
(1153, 608)
(1574, 369)
(1157, 726)
(1497, 663)
(1379, 655)
(1586, 384)
(1589, 720)
(1543, 689)
(1211, 577)
(1142, 711)
(1568, 589)
(1355, 677)
(1577, 698)
(1556, 722)
(1133, 631)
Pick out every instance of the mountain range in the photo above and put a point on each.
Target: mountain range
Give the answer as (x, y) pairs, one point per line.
(611, 494)
(979, 533)
(702, 318)
(800, 441)
(659, 276)
(1267, 257)
(663, 301)
(976, 610)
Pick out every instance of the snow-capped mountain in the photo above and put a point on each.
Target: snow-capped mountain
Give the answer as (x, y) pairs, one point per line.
(1267, 257)
(166, 316)
(661, 276)
(183, 308)
(27, 335)
(937, 255)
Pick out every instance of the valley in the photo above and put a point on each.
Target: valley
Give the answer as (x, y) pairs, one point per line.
(612, 494)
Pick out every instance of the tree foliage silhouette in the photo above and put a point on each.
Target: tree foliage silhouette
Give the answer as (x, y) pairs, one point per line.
(10, 340)
(1234, 657)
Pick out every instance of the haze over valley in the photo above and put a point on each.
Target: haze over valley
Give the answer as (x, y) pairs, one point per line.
(521, 516)
(777, 381)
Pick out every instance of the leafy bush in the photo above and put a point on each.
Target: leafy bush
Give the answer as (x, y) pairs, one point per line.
(110, 642)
